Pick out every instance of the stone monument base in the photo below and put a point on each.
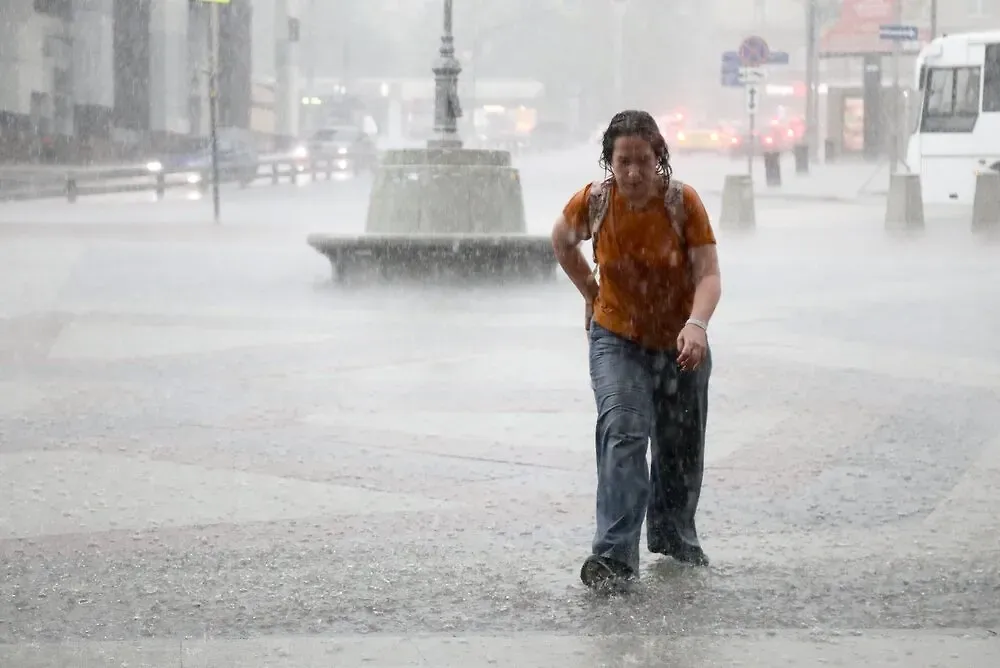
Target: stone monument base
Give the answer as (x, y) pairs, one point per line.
(442, 210)
(464, 256)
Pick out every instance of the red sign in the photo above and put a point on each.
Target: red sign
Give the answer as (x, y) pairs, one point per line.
(856, 30)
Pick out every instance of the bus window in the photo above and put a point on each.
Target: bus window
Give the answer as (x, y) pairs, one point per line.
(967, 91)
(951, 99)
(991, 87)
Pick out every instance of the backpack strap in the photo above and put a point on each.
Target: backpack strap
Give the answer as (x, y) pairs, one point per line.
(598, 201)
(673, 199)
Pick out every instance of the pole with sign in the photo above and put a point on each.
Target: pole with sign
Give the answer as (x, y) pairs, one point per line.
(753, 102)
(897, 34)
(754, 53)
(213, 98)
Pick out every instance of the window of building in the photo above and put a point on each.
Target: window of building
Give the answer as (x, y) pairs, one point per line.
(991, 85)
(951, 99)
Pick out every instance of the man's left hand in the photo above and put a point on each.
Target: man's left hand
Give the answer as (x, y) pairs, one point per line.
(692, 345)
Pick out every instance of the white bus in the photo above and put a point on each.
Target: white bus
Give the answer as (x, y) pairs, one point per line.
(958, 130)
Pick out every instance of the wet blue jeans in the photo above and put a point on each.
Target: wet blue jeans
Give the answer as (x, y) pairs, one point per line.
(643, 397)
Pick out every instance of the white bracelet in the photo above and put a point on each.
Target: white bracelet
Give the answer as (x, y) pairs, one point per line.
(698, 323)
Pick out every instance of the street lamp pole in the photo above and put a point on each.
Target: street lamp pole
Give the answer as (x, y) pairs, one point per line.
(447, 108)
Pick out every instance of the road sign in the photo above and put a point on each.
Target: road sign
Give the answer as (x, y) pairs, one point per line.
(753, 98)
(730, 72)
(752, 75)
(899, 33)
(754, 51)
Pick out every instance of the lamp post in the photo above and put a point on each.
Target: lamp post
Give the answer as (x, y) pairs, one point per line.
(447, 108)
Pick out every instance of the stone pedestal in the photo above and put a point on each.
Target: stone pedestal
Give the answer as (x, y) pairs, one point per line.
(905, 204)
(986, 206)
(738, 207)
(439, 211)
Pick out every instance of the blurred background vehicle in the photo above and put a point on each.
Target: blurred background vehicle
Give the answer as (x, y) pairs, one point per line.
(238, 158)
(349, 147)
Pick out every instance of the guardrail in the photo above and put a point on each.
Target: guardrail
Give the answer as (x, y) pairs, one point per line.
(74, 183)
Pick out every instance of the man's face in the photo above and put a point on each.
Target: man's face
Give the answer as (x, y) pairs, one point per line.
(634, 165)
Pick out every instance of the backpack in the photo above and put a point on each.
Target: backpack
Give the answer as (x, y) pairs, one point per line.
(600, 199)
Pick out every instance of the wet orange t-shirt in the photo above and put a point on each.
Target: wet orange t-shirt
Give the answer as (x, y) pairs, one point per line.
(645, 292)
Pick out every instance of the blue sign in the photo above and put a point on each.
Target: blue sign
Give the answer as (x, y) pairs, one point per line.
(754, 51)
(731, 70)
(732, 64)
(899, 33)
(778, 58)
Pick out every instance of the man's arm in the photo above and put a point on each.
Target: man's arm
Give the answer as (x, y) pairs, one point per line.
(704, 257)
(707, 281)
(566, 244)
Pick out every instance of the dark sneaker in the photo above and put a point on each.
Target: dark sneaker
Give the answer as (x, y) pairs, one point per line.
(606, 575)
(686, 554)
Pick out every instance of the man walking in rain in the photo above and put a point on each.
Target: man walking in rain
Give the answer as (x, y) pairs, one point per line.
(647, 311)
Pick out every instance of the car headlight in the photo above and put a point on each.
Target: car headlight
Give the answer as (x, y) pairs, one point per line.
(301, 152)
(154, 166)
(342, 150)
(194, 179)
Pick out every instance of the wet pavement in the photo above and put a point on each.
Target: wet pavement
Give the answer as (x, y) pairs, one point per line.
(211, 456)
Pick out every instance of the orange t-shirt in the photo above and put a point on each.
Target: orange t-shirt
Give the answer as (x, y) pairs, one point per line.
(645, 293)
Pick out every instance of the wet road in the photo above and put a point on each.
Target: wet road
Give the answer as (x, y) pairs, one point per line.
(211, 456)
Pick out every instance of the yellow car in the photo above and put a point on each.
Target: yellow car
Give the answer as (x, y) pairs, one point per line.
(701, 140)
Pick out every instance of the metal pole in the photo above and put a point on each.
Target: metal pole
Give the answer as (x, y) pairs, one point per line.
(213, 102)
(894, 123)
(934, 18)
(751, 147)
(812, 83)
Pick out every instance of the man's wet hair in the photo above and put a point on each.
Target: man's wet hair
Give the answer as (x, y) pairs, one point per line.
(635, 123)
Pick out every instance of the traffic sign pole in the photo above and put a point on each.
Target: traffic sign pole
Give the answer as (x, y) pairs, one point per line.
(754, 52)
(753, 94)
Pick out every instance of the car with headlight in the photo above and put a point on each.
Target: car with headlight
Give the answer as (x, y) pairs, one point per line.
(705, 138)
(348, 147)
(768, 138)
(238, 158)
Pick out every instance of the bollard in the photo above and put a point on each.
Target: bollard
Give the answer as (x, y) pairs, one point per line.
(905, 204)
(738, 210)
(161, 185)
(986, 205)
(71, 189)
(772, 169)
(829, 151)
(293, 174)
(274, 173)
(801, 152)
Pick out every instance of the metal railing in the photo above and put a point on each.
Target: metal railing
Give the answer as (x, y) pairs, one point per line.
(73, 183)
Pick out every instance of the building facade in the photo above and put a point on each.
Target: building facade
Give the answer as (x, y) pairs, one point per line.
(85, 78)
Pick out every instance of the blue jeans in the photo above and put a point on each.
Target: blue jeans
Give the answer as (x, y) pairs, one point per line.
(643, 397)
